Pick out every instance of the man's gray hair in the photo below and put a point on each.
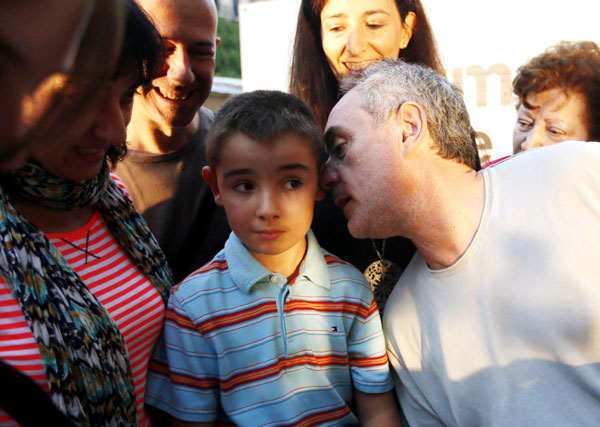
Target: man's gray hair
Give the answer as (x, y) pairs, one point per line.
(388, 84)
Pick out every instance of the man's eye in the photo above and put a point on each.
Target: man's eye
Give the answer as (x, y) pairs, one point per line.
(339, 150)
(202, 53)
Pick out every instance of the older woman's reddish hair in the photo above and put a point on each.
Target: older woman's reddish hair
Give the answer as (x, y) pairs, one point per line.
(570, 66)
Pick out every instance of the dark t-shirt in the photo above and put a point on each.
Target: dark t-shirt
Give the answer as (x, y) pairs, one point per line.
(176, 202)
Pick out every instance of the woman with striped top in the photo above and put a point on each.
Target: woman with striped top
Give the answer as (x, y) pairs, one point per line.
(82, 280)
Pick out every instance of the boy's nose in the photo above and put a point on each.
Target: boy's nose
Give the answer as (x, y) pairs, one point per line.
(267, 206)
(329, 175)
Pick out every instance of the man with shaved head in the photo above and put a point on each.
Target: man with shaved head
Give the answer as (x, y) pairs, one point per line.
(163, 170)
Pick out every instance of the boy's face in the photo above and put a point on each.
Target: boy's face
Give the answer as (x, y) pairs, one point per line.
(268, 191)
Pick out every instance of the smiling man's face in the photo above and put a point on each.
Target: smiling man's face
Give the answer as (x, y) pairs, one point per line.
(188, 29)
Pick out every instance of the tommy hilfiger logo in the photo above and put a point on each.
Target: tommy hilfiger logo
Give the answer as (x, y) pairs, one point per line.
(334, 329)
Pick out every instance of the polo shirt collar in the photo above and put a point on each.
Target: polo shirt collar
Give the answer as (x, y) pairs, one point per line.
(246, 271)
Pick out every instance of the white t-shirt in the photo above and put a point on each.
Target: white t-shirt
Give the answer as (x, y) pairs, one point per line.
(509, 334)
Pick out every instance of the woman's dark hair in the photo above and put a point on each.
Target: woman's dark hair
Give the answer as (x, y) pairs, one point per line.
(311, 76)
(140, 55)
(141, 51)
(568, 66)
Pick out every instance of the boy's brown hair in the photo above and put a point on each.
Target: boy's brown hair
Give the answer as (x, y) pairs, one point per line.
(263, 115)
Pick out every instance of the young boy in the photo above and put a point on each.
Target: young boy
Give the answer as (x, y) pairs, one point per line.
(274, 330)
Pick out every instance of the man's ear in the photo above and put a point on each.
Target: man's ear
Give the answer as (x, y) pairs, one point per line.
(411, 122)
(211, 179)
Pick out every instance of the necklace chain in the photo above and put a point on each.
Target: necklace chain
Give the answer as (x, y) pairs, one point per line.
(86, 251)
(381, 254)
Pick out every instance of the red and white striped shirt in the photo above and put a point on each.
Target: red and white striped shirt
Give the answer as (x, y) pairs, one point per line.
(131, 300)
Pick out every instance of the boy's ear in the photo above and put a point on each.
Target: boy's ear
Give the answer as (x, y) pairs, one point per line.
(211, 179)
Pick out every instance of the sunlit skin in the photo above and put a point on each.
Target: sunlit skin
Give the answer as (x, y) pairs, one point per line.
(83, 158)
(556, 116)
(358, 33)
(37, 38)
(171, 102)
(268, 190)
(390, 181)
(359, 165)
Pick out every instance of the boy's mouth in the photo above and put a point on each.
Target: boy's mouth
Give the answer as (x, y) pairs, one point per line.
(269, 234)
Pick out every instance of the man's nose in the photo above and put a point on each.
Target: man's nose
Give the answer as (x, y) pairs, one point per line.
(179, 68)
(329, 175)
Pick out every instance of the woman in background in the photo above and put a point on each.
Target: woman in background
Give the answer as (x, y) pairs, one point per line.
(83, 282)
(558, 96)
(333, 39)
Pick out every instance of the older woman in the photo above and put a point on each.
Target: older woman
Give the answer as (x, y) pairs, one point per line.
(558, 96)
(82, 280)
(333, 39)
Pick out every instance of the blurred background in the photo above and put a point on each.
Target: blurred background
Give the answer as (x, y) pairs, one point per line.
(482, 43)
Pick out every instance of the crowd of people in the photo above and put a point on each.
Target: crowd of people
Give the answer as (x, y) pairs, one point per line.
(332, 256)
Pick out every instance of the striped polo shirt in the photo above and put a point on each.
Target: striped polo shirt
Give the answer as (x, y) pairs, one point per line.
(131, 300)
(242, 345)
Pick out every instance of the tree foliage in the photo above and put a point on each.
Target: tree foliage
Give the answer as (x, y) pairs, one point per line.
(228, 52)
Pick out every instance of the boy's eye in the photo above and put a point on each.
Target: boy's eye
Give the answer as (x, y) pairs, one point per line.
(243, 187)
(292, 184)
